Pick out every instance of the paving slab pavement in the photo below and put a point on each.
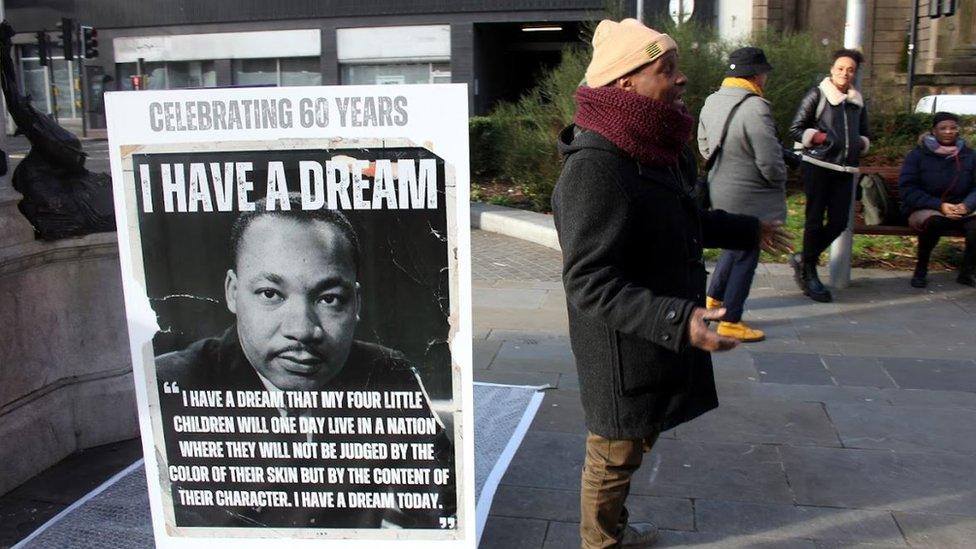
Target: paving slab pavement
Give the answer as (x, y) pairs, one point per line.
(852, 425)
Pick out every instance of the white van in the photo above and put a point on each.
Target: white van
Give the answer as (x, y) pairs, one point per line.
(956, 104)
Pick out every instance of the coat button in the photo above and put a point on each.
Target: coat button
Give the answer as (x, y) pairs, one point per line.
(671, 315)
(666, 337)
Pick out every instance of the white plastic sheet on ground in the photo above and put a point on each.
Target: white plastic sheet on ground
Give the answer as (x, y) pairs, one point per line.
(116, 514)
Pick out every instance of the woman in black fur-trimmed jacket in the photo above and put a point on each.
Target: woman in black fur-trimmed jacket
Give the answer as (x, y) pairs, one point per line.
(832, 125)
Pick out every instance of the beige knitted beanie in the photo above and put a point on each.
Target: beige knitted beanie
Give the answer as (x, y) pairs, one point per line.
(619, 48)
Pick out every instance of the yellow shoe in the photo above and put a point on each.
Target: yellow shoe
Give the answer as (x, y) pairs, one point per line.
(740, 331)
(712, 303)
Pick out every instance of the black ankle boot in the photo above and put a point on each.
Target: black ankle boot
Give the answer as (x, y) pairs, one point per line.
(919, 279)
(812, 287)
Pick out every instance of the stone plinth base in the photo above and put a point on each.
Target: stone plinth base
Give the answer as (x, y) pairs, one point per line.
(65, 372)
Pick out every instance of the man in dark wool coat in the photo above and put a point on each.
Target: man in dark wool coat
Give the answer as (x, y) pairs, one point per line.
(632, 237)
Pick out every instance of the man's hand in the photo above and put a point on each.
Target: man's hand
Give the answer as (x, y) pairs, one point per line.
(775, 239)
(700, 336)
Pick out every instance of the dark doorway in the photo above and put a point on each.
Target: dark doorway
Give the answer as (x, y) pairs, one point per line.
(510, 56)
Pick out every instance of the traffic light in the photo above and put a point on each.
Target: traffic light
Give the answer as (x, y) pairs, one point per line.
(89, 42)
(942, 8)
(42, 46)
(67, 42)
(138, 81)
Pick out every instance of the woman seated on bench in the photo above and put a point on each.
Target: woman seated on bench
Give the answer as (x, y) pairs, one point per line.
(938, 194)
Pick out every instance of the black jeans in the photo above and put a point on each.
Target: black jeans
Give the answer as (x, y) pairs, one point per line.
(732, 279)
(828, 192)
(938, 225)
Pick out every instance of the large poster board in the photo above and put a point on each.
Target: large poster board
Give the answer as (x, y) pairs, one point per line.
(296, 268)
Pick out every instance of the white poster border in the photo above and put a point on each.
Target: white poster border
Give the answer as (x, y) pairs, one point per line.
(436, 120)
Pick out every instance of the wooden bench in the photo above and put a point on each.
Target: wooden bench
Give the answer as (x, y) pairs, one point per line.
(890, 176)
(840, 262)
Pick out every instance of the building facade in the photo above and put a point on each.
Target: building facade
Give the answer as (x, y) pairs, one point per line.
(945, 49)
(496, 47)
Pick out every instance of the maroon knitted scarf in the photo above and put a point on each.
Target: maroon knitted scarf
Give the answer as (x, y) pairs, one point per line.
(652, 131)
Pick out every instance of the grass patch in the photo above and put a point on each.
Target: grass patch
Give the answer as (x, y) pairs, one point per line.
(873, 251)
(870, 251)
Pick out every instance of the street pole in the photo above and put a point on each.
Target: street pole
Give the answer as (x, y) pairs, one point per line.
(54, 88)
(840, 249)
(84, 97)
(912, 38)
(83, 84)
(640, 11)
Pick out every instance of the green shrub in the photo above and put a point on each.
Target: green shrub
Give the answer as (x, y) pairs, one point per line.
(526, 130)
(483, 144)
(519, 140)
(702, 57)
(894, 134)
(799, 63)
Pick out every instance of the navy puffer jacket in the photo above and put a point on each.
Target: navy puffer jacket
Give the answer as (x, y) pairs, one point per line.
(928, 179)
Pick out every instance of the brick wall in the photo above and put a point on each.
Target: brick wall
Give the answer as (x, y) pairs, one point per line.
(887, 41)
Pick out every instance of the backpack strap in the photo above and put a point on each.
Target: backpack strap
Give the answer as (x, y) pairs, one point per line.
(725, 130)
(821, 104)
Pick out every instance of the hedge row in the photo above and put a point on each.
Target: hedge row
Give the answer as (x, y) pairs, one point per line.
(518, 141)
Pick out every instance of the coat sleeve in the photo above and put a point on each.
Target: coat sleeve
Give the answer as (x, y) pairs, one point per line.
(913, 195)
(703, 147)
(760, 129)
(970, 200)
(721, 229)
(863, 122)
(806, 116)
(865, 130)
(591, 214)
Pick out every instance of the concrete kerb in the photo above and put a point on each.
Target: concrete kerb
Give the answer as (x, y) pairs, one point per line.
(529, 226)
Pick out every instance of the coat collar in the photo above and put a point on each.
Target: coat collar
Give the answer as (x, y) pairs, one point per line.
(233, 366)
(836, 97)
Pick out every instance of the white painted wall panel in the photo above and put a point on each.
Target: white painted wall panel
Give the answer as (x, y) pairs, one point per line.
(385, 44)
(734, 19)
(226, 45)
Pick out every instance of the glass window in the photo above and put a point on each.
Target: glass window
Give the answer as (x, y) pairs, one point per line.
(255, 72)
(208, 74)
(63, 84)
(407, 73)
(29, 50)
(65, 94)
(35, 84)
(440, 73)
(178, 75)
(170, 75)
(122, 72)
(301, 71)
(157, 75)
(190, 74)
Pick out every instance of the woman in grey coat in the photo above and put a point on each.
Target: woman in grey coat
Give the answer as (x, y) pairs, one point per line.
(747, 176)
